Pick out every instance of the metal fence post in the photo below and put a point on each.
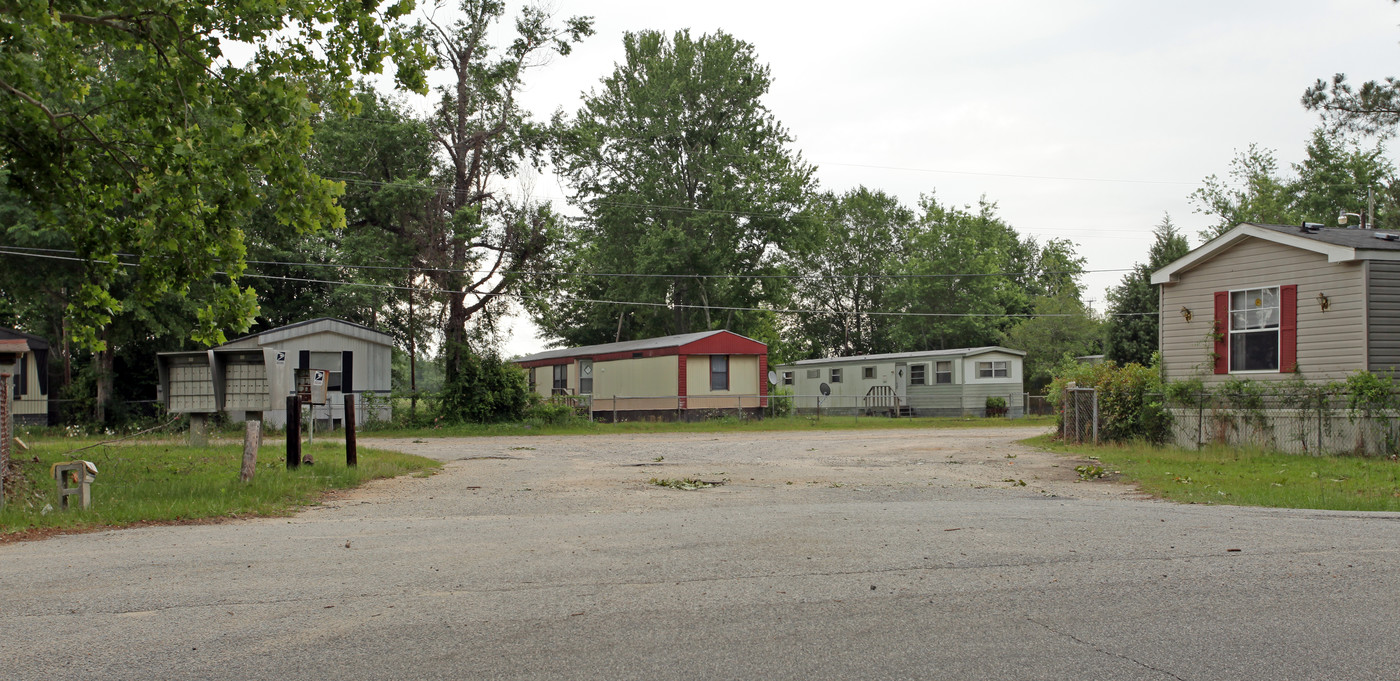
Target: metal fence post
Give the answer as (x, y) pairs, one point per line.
(1200, 420)
(1096, 416)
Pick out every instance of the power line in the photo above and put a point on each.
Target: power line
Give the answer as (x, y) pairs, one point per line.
(624, 275)
(572, 299)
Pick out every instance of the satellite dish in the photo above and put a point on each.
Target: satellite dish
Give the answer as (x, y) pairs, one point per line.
(826, 390)
(773, 377)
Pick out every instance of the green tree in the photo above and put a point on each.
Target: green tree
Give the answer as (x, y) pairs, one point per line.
(131, 132)
(386, 158)
(1335, 177)
(1061, 327)
(1255, 192)
(842, 270)
(1133, 305)
(970, 276)
(1372, 109)
(484, 242)
(687, 185)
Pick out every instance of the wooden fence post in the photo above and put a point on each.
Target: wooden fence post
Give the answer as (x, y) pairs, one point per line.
(252, 437)
(293, 431)
(7, 431)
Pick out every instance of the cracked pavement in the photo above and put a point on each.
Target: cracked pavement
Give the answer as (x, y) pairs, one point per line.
(826, 555)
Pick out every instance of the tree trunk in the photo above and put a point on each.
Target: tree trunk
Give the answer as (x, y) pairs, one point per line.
(412, 356)
(456, 331)
(104, 379)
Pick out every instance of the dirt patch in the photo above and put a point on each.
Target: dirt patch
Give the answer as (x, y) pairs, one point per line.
(611, 470)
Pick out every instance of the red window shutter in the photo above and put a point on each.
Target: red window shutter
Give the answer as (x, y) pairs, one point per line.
(1222, 331)
(1288, 329)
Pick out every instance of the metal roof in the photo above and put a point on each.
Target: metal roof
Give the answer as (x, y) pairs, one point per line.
(627, 346)
(958, 352)
(300, 329)
(34, 342)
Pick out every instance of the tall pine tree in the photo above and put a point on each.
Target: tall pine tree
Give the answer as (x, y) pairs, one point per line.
(1133, 304)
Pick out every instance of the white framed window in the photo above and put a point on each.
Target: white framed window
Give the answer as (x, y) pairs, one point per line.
(996, 369)
(814, 373)
(835, 376)
(942, 372)
(787, 378)
(1254, 329)
(867, 372)
(918, 374)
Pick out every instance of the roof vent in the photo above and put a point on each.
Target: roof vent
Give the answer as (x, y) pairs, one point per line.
(1387, 237)
(1312, 227)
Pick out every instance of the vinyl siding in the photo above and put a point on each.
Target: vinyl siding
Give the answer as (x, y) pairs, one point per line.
(640, 377)
(32, 403)
(1331, 344)
(1384, 313)
(743, 376)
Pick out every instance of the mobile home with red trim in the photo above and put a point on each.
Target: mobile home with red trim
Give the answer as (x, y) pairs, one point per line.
(687, 376)
(1265, 301)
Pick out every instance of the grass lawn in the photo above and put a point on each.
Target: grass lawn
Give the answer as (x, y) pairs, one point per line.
(720, 425)
(153, 481)
(1247, 477)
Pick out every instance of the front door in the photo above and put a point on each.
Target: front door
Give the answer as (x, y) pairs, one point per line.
(585, 377)
(901, 379)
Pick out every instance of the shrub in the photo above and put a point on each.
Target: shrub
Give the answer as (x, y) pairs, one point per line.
(550, 412)
(995, 406)
(780, 402)
(487, 390)
(1131, 404)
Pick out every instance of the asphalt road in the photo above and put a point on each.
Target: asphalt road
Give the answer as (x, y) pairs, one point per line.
(885, 559)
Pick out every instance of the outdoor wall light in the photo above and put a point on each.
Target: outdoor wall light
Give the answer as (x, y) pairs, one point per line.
(1186, 313)
(1323, 302)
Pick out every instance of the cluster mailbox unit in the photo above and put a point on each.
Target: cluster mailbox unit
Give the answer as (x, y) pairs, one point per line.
(251, 377)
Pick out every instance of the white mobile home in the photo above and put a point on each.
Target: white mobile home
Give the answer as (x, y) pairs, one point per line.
(257, 372)
(931, 383)
(29, 389)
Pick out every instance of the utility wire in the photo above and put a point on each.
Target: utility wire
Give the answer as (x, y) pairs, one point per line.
(598, 301)
(622, 275)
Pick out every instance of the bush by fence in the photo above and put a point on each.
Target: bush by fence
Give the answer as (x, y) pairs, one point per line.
(1130, 404)
(1358, 416)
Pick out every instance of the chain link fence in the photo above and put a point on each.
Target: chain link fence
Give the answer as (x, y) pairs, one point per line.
(1329, 424)
(1080, 418)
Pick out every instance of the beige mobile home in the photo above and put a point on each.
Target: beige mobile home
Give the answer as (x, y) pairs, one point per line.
(931, 383)
(687, 376)
(1263, 301)
(29, 389)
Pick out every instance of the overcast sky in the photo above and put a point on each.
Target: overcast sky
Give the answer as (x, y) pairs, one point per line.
(1081, 119)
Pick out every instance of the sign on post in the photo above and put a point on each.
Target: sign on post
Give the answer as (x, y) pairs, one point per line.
(312, 386)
